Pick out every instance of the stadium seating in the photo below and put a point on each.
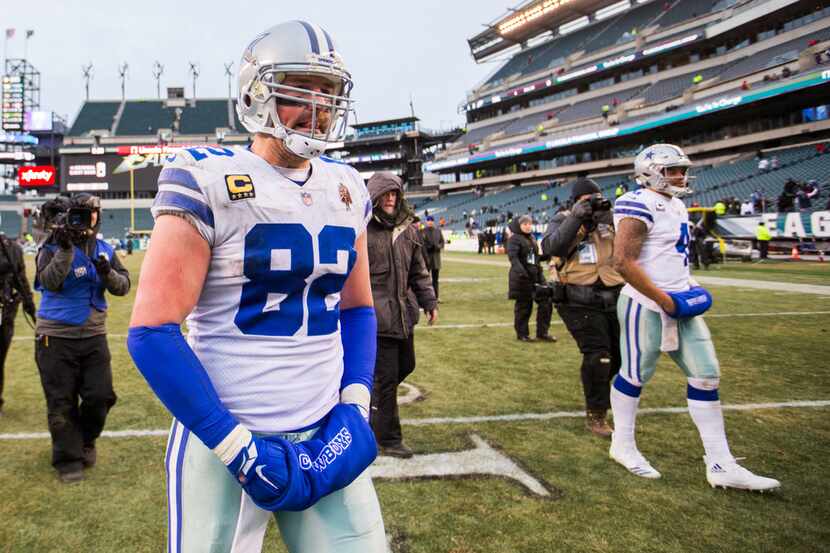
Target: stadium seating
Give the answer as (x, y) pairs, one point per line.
(204, 117)
(116, 222)
(593, 107)
(625, 26)
(142, 117)
(94, 115)
(777, 55)
(10, 223)
(542, 56)
(681, 11)
(673, 87)
(711, 183)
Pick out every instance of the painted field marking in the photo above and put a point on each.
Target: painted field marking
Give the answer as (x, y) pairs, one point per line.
(481, 460)
(514, 417)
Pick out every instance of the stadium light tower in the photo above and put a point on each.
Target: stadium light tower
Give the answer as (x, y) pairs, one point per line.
(122, 71)
(194, 73)
(229, 74)
(158, 69)
(87, 70)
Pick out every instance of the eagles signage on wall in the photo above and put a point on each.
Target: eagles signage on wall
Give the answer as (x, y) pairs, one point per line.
(112, 171)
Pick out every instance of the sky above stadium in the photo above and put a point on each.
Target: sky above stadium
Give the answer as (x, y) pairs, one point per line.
(394, 48)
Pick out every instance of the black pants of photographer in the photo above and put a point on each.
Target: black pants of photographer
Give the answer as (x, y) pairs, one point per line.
(521, 317)
(395, 361)
(6, 333)
(597, 333)
(77, 381)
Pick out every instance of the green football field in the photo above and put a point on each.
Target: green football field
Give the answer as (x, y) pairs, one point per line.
(524, 401)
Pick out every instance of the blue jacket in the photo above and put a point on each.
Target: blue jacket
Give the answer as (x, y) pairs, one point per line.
(82, 290)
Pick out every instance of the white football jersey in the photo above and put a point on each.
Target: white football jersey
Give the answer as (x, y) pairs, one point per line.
(266, 326)
(665, 253)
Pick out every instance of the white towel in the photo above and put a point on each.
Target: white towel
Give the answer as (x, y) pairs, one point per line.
(670, 340)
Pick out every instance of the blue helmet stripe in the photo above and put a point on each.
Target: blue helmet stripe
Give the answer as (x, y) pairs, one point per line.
(328, 40)
(312, 36)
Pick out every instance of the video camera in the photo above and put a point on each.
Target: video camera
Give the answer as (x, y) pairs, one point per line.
(60, 213)
(598, 203)
(63, 214)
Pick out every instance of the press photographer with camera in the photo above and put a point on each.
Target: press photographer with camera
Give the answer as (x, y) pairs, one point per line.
(585, 293)
(74, 270)
(14, 290)
(526, 281)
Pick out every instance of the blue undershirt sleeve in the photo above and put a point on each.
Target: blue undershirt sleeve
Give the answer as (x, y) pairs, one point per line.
(358, 332)
(179, 380)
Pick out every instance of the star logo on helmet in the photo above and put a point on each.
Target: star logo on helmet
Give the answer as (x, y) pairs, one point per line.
(650, 155)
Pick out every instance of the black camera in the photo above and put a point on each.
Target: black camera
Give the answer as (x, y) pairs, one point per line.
(79, 219)
(598, 203)
(542, 293)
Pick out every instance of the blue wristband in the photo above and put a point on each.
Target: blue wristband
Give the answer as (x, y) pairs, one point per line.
(179, 380)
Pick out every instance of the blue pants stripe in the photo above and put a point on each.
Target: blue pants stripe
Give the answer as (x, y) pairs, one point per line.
(628, 338)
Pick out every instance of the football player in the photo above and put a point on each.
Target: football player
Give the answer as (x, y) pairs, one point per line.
(263, 251)
(659, 310)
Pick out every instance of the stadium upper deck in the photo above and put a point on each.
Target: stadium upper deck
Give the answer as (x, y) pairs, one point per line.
(693, 79)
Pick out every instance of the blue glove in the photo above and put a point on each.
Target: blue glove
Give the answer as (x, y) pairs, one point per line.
(261, 467)
(339, 452)
(691, 303)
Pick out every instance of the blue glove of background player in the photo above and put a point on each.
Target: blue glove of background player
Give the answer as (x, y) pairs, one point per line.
(691, 303)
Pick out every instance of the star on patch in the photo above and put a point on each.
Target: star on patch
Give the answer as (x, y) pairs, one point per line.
(345, 195)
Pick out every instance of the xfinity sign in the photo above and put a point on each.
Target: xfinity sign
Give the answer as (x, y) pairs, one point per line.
(36, 175)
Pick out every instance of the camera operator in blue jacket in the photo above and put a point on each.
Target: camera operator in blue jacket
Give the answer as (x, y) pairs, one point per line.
(74, 270)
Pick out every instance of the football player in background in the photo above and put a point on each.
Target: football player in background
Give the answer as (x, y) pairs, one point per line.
(659, 310)
(263, 250)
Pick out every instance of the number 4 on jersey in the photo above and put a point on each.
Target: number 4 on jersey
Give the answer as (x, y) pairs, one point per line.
(682, 244)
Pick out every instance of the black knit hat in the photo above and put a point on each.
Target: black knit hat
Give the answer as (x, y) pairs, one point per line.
(582, 187)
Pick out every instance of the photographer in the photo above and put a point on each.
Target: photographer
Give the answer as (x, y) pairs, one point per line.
(524, 280)
(14, 289)
(586, 292)
(74, 269)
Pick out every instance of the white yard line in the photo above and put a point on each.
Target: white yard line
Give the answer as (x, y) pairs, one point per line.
(712, 280)
(515, 417)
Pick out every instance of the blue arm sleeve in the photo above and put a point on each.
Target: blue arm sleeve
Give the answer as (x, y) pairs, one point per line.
(358, 332)
(179, 380)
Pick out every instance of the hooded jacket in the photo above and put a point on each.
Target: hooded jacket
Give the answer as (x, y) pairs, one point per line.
(396, 262)
(525, 268)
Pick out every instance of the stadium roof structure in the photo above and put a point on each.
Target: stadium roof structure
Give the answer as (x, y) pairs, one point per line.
(409, 119)
(527, 20)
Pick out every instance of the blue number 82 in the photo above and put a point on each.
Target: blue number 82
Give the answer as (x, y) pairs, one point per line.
(279, 259)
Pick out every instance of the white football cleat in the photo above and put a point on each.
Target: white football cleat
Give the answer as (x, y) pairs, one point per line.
(730, 474)
(630, 457)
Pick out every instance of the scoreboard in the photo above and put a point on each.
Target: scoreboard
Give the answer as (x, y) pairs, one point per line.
(13, 98)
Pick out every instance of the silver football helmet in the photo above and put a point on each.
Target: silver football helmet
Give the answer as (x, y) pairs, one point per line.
(650, 166)
(294, 48)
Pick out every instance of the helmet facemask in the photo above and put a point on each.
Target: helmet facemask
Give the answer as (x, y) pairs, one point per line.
(329, 113)
(651, 166)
